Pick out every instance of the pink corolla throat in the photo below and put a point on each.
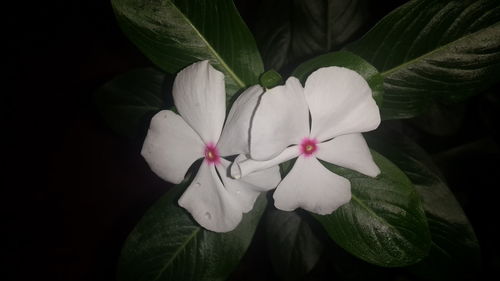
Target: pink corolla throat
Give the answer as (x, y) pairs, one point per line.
(212, 154)
(308, 147)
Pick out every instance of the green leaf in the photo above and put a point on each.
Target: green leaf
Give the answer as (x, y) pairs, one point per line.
(293, 247)
(384, 223)
(128, 101)
(348, 60)
(290, 31)
(427, 49)
(454, 253)
(168, 245)
(270, 79)
(177, 33)
(285, 167)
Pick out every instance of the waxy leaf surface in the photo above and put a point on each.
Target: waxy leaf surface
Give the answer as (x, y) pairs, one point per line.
(384, 223)
(427, 49)
(177, 33)
(167, 244)
(454, 253)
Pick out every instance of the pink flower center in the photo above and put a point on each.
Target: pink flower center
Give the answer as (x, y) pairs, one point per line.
(308, 147)
(212, 154)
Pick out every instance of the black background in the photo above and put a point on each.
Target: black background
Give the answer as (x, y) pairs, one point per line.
(73, 189)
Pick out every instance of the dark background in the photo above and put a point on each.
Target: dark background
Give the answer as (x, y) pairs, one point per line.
(73, 189)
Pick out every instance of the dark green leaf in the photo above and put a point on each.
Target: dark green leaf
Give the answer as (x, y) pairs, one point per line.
(168, 245)
(454, 251)
(128, 101)
(270, 79)
(384, 223)
(174, 34)
(293, 247)
(285, 167)
(429, 49)
(348, 60)
(290, 31)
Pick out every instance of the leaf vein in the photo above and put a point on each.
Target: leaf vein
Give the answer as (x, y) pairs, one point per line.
(211, 49)
(176, 253)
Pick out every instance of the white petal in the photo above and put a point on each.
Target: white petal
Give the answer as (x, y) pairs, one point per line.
(209, 202)
(281, 119)
(171, 146)
(200, 97)
(349, 151)
(248, 166)
(244, 193)
(340, 102)
(235, 135)
(310, 186)
(262, 180)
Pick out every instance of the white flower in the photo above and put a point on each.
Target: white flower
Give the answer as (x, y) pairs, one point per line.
(174, 142)
(322, 120)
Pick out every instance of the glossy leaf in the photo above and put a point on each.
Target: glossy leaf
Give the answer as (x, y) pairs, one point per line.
(427, 49)
(290, 31)
(293, 247)
(384, 223)
(348, 60)
(128, 101)
(177, 33)
(168, 244)
(454, 253)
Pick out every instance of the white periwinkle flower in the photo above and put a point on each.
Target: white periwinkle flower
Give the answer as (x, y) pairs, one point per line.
(322, 120)
(174, 142)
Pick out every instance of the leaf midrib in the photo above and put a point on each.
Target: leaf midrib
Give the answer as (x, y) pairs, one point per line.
(210, 48)
(392, 70)
(177, 252)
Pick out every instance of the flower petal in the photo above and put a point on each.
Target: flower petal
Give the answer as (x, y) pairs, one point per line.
(310, 186)
(340, 101)
(234, 138)
(281, 119)
(248, 166)
(210, 204)
(200, 97)
(171, 146)
(349, 151)
(244, 193)
(261, 180)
